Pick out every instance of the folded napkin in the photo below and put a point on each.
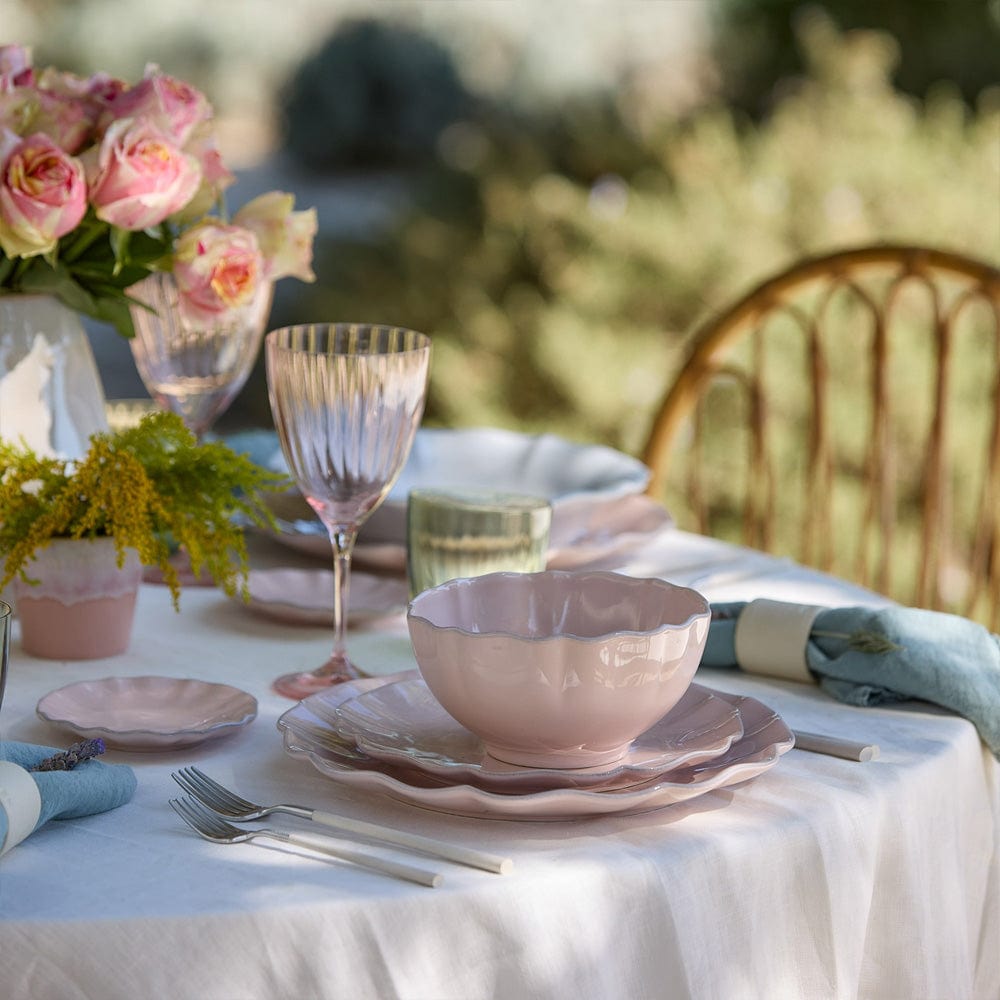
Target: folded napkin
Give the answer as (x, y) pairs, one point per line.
(29, 799)
(867, 655)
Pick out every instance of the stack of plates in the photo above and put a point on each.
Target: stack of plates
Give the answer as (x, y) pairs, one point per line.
(390, 735)
(598, 507)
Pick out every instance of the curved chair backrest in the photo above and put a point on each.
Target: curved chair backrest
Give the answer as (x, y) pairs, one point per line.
(846, 413)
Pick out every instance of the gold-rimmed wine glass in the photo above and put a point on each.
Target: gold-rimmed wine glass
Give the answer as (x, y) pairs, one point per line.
(346, 399)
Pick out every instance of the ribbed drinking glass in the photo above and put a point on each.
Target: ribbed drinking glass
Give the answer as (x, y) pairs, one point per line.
(346, 399)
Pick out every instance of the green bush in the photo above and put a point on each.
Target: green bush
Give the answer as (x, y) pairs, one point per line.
(755, 51)
(375, 95)
(559, 269)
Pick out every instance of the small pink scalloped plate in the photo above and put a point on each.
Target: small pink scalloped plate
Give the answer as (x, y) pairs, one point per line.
(148, 713)
(305, 596)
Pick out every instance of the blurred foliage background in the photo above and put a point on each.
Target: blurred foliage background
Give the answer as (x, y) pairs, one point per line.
(558, 192)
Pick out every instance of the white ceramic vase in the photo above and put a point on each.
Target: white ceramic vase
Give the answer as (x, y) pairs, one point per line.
(51, 395)
(83, 604)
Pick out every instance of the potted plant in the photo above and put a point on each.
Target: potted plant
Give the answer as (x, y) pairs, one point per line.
(75, 534)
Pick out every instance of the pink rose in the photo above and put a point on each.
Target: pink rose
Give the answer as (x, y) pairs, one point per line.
(68, 121)
(17, 109)
(43, 195)
(15, 66)
(18, 96)
(172, 105)
(104, 89)
(215, 175)
(285, 237)
(217, 268)
(62, 105)
(138, 177)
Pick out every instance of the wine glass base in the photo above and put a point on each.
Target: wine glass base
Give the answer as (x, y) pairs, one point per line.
(301, 685)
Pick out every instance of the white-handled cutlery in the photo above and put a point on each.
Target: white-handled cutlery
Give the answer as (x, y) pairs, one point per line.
(233, 807)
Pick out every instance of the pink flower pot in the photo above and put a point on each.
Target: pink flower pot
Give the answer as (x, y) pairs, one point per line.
(83, 605)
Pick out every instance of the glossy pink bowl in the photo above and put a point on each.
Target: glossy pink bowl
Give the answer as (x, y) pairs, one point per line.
(558, 669)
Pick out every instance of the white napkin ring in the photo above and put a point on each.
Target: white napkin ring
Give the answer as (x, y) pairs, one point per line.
(20, 800)
(771, 639)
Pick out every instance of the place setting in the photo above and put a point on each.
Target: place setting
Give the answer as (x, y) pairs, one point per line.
(600, 513)
(552, 695)
(542, 693)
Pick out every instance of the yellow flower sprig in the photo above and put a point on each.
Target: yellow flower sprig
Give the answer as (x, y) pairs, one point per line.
(150, 487)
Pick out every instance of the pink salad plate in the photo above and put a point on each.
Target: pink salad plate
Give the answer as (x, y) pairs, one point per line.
(310, 736)
(305, 596)
(148, 713)
(403, 723)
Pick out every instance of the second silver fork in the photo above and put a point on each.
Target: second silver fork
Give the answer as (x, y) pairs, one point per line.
(212, 827)
(229, 804)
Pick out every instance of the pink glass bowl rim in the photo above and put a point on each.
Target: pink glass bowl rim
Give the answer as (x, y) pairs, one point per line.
(438, 610)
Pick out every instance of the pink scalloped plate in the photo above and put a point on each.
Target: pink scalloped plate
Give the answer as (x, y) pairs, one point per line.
(148, 713)
(404, 723)
(305, 596)
(309, 736)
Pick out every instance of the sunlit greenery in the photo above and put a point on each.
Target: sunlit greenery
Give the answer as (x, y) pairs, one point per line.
(563, 261)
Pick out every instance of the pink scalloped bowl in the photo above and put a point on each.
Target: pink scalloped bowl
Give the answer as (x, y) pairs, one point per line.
(558, 669)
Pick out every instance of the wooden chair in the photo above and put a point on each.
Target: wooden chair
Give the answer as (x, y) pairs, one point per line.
(846, 413)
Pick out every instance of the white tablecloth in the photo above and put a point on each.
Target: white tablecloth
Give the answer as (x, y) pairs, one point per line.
(820, 879)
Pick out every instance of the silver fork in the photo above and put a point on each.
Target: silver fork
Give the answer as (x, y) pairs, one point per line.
(229, 804)
(212, 827)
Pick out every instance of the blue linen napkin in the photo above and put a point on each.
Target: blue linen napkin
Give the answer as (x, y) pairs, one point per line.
(91, 787)
(871, 656)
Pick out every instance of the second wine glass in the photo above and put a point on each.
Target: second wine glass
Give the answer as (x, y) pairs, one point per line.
(195, 369)
(346, 399)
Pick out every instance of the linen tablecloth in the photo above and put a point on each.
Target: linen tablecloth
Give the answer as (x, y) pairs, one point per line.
(820, 879)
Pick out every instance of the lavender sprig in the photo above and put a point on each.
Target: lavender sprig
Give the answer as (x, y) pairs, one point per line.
(68, 759)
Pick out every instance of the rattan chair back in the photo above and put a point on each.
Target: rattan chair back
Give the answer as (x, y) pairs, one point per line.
(845, 413)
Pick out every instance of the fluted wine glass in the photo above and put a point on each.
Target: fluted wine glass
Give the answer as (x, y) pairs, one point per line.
(346, 399)
(195, 368)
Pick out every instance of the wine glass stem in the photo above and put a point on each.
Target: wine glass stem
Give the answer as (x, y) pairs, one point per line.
(343, 547)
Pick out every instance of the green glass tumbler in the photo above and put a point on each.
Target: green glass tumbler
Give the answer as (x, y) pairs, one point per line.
(459, 534)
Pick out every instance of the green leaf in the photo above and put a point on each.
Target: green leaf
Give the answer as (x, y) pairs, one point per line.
(119, 247)
(116, 311)
(87, 234)
(863, 640)
(146, 249)
(873, 642)
(96, 276)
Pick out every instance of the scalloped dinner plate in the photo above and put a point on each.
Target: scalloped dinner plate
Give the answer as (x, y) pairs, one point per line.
(148, 713)
(310, 736)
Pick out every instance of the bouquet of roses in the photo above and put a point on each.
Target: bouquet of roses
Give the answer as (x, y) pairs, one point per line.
(102, 183)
